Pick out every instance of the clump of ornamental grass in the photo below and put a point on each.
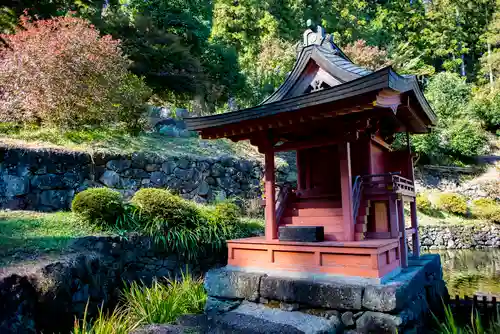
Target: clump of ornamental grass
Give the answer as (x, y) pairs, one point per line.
(164, 302)
(160, 303)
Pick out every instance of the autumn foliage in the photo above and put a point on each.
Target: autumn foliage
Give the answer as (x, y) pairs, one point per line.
(61, 72)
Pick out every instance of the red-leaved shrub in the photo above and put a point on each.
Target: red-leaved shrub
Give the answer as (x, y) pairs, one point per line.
(61, 72)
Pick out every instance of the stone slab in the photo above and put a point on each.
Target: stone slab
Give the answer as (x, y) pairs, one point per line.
(257, 318)
(302, 233)
(224, 283)
(332, 295)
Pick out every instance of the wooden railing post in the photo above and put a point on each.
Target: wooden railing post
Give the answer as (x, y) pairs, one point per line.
(414, 224)
(402, 238)
(270, 192)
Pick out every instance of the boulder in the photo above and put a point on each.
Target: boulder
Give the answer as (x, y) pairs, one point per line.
(47, 181)
(118, 165)
(110, 179)
(334, 295)
(56, 199)
(225, 283)
(159, 178)
(14, 185)
(376, 322)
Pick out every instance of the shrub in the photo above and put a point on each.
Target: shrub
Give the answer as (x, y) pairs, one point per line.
(61, 72)
(423, 203)
(165, 208)
(227, 212)
(486, 208)
(453, 203)
(98, 205)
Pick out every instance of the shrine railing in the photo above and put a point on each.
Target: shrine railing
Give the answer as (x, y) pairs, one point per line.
(357, 192)
(380, 184)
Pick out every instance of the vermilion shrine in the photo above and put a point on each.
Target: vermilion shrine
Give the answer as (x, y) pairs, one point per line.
(346, 216)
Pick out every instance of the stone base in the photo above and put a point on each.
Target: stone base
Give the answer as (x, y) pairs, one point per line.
(401, 304)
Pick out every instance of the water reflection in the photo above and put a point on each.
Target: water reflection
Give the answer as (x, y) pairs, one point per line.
(469, 272)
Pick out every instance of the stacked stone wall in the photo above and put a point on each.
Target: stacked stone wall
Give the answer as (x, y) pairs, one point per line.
(48, 180)
(466, 236)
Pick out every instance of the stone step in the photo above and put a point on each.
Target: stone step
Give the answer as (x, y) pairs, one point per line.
(252, 318)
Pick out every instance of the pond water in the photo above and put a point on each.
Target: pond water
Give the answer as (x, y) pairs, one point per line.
(469, 272)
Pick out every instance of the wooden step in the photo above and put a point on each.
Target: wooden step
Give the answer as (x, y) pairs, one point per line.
(312, 221)
(313, 212)
(315, 204)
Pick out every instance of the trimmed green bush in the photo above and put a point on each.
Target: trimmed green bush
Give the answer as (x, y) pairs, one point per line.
(423, 203)
(98, 205)
(161, 205)
(453, 203)
(486, 208)
(227, 212)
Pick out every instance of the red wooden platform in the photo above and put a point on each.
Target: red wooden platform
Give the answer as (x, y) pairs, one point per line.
(367, 258)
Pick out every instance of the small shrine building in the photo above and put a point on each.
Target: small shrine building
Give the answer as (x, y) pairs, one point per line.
(346, 215)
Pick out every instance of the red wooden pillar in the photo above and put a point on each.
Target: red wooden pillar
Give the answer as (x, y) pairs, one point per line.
(414, 224)
(298, 156)
(270, 193)
(346, 190)
(402, 239)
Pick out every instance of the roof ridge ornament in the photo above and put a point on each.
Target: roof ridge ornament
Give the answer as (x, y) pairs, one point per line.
(315, 35)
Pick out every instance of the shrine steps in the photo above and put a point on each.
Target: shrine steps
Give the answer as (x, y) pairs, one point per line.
(324, 211)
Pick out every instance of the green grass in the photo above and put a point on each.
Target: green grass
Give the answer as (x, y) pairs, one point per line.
(26, 234)
(140, 305)
(476, 325)
(119, 142)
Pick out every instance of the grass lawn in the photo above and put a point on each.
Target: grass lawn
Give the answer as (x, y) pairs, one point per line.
(115, 141)
(25, 234)
(444, 218)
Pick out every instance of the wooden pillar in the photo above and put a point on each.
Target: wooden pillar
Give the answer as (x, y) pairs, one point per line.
(402, 240)
(414, 224)
(346, 190)
(270, 193)
(298, 157)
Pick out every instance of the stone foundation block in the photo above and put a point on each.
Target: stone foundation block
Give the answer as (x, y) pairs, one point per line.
(224, 283)
(333, 295)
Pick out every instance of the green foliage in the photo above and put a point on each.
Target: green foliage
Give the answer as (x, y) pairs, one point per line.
(162, 207)
(486, 208)
(227, 212)
(450, 325)
(118, 322)
(98, 205)
(423, 203)
(452, 203)
(164, 303)
(466, 138)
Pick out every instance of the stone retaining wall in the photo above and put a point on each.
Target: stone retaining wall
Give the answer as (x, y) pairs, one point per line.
(48, 295)
(479, 236)
(48, 180)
